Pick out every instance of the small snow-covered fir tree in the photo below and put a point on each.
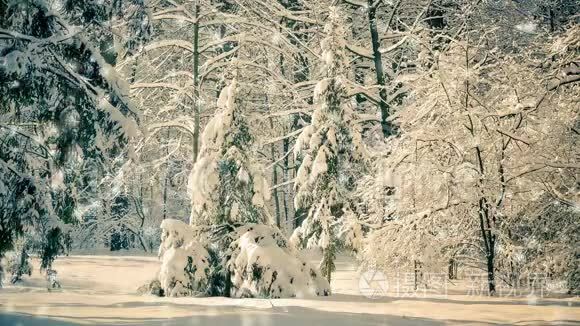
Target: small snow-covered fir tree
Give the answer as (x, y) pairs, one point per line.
(263, 264)
(226, 186)
(185, 266)
(231, 247)
(327, 148)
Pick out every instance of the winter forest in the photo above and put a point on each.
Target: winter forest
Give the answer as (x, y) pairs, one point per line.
(283, 162)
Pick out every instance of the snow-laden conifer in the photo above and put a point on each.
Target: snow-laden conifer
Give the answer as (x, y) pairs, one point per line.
(231, 246)
(328, 149)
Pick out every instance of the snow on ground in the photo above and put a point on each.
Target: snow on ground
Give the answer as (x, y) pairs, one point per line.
(102, 289)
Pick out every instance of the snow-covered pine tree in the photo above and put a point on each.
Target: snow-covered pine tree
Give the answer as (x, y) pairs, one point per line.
(62, 102)
(231, 237)
(227, 188)
(327, 148)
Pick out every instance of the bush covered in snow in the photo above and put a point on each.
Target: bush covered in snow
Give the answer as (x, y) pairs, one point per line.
(263, 265)
(184, 271)
(257, 263)
(185, 262)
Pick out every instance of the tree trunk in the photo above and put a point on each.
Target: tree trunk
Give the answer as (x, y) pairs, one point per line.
(551, 16)
(451, 270)
(285, 146)
(228, 285)
(166, 181)
(418, 274)
(489, 242)
(165, 196)
(1, 275)
(140, 213)
(378, 61)
(491, 273)
(359, 72)
(275, 177)
(196, 85)
(142, 242)
(329, 270)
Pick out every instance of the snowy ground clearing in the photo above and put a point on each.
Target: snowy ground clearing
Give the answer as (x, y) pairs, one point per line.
(102, 289)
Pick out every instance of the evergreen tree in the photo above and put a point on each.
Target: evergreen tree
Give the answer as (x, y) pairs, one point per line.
(62, 103)
(328, 149)
(231, 247)
(227, 187)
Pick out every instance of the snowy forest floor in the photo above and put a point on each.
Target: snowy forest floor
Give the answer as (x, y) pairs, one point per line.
(102, 289)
